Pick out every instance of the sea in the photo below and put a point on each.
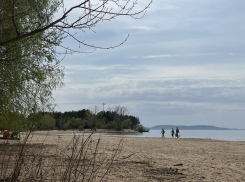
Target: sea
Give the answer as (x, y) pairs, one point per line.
(226, 135)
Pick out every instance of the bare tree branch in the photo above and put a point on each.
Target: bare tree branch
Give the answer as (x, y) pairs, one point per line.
(91, 15)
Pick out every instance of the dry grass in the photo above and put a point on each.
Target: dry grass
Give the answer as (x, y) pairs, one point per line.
(79, 161)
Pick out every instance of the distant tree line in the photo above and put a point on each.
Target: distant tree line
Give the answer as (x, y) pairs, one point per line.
(116, 118)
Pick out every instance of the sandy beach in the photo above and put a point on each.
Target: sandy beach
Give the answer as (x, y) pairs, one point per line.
(158, 159)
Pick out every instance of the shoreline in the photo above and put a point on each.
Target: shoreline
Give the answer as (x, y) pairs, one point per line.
(131, 133)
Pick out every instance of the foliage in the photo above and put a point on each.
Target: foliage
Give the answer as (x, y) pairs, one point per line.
(47, 122)
(141, 128)
(42, 19)
(118, 113)
(127, 124)
(29, 69)
(91, 119)
(101, 123)
(111, 125)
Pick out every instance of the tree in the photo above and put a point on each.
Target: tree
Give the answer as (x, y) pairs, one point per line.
(88, 119)
(29, 34)
(135, 121)
(26, 85)
(29, 69)
(62, 123)
(91, 13)
(118, 113)
(75, 123)
(91, 117)
(101, 122)
(47, 122)
(126, 124)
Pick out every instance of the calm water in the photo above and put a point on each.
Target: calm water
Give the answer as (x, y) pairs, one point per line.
(230, 135)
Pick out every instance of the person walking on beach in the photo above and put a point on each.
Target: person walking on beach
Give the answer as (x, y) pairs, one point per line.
(172, 132)
(177, 132)
(162, 132)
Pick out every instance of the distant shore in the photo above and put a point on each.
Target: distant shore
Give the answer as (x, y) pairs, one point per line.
(192, 127)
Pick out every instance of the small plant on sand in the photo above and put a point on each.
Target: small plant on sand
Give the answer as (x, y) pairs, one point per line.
(148, 163)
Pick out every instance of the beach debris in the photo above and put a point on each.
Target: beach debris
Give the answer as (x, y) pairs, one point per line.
(178, 164)
(163, 174)
(173, 169)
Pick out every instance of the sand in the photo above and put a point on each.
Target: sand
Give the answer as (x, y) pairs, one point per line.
(163, 159)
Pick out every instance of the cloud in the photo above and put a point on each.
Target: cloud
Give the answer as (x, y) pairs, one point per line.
(174, 55)
(205, 54)
(183, 62)
(142, 28)
(192, 92)
(203, 71)
(96, 68)
(159, 56)
(169, 90)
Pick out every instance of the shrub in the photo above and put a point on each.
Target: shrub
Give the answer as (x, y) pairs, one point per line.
(127, 124)
(79, 161)
(141, 128)
(47, 122)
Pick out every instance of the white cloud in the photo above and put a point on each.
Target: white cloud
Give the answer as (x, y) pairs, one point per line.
(96, 68)
(142, 28)
(208, 71)
(173, 93)
(190, 57)
(159, 56)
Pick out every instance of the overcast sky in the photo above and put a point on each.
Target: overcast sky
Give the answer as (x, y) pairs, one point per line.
(183, 64)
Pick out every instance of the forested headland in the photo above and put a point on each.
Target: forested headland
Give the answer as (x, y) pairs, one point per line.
(88, 119)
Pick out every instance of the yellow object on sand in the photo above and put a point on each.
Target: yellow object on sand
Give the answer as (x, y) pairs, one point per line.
(5, 133)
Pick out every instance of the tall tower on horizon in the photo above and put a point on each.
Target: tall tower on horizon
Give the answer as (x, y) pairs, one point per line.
(103, 107)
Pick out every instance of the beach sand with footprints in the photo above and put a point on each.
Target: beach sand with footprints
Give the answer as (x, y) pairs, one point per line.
(144, 158)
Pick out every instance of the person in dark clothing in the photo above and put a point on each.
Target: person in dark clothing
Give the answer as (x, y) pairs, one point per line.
(162, 132)
(177, 132)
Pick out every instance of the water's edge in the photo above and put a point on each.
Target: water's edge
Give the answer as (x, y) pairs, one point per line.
(225, 135)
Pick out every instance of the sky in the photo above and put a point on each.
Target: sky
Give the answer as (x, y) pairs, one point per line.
(183, 64)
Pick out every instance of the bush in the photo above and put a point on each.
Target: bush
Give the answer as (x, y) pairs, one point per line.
(141, 128)
(101, 123)
(79, 161)
(75, 123)
(111, 125)
(47, 122)
(126, 124)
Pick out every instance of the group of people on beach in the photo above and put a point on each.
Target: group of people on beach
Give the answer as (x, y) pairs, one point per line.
(172, 133)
